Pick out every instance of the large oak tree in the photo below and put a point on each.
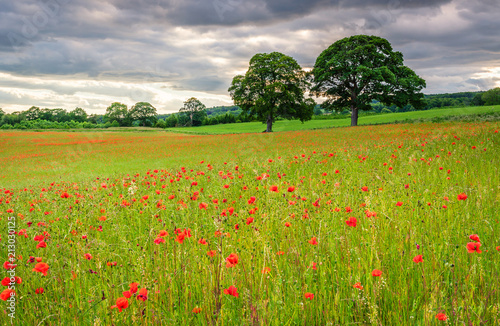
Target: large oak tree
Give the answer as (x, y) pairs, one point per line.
(358, 69)
(273, 87)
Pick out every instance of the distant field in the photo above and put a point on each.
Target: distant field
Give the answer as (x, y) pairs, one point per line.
(286, 125)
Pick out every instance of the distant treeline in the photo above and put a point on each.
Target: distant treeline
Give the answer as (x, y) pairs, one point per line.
(144, 114)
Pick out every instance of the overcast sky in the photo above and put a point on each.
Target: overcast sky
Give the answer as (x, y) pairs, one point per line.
(75, 53)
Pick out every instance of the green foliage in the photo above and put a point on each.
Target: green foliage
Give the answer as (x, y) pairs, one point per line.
(492, 96)
(356, 70)
(171, 121)
(272, 88)
(144, 113)
(118, 112)
(160, 124)
(195, 111)
(78, 115)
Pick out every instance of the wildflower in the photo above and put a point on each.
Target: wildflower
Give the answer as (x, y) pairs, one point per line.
(251, 200)
(365, 188)
(309, 295)
(121, 303)
(41, 268)
(6, 294)
(474, 237)
(287, 224)
(196, 310)
(399, 203)
(358, 286)
(266, 270)
(41, 244)
(143, 294)
(88, 256)
(203, 205)
(462, 196)
(39, 291)
(418, 259)
(133, 287)
(474, 247)
(159, 240)
(273, 188)
(211, 253)
(249, 220)
(376, 273)
(351, 221)
(232, 260)
(291, 189)
(280, 253)
(441, 316)
(202, 241)
(313, 241)
(232, 290)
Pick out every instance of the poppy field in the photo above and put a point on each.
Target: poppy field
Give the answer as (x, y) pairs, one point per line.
(373, 225)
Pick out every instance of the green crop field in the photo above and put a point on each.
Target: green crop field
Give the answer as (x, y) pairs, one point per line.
(373, 225)
(286, 125)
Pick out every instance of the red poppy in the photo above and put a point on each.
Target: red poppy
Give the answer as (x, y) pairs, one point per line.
(211, 253)
(309, 295)
(474, 247)
(159, 240)
(249, 220)
(6, 281)
(203, 205)
(266, 270)
(441, 316)
(462, 196)
(352, 221)
(232, 260)
(376, 273)
(39, 238)
(127, 294)
(287, 224)
(6, 294)
(273, 188)
(143, 294)
(133, 287)
(196, 310)
(41, 268)
(358, 286)
(399, 203)
(41, 244)
(202, 241)
(251, 200)
(365, 188)
(232, 290)
(313, 241)
(291, 189)
(418, 259)
(88, 256)
(121, 303)
(39, 291)
(474, 237)
(8, 265)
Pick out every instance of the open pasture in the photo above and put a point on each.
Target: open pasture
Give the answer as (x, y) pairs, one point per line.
(374, 225)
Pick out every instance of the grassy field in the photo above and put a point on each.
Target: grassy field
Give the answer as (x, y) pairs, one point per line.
(290, 125)
(375, 225)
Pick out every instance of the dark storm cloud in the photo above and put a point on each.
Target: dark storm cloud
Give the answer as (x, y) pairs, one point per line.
(199, 45)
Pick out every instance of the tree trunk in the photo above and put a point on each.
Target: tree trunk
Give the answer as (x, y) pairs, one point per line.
(354, 116)
(269, 124)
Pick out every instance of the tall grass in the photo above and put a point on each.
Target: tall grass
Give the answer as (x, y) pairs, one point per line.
(110, 195)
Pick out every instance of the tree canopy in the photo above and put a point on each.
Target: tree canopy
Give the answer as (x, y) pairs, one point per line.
(273, 87)
(117, 112)
(193, 112)
(144, 112)
(492, 96)
(358, 69)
